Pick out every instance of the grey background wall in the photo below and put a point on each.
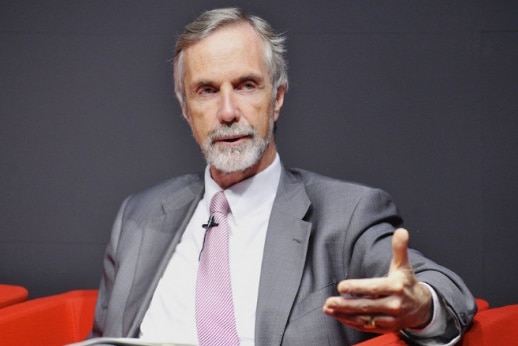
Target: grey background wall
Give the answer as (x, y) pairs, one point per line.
(416, 97)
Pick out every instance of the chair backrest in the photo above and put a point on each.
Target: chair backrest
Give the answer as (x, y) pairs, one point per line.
(51, 321)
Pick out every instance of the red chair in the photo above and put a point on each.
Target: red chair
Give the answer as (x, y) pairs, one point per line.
(482, 304)
(12, 294)
(51, 321)
(498, 326)
(392, 339)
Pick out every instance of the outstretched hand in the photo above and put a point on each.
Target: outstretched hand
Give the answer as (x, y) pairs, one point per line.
(397, 301)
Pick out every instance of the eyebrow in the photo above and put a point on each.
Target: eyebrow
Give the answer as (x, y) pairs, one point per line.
(252, 76)
(249, 77)
(201, 82)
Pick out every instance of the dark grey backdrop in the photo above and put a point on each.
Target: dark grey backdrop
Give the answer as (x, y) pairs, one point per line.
(416, 97)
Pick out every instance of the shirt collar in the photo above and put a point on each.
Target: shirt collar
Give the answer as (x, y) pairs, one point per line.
(250, 194)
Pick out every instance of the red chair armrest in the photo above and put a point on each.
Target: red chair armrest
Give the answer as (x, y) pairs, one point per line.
(497, 326)
(11, 294)
(53, 320)
(390, 339)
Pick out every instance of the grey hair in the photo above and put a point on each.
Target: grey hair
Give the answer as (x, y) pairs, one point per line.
(210, 21)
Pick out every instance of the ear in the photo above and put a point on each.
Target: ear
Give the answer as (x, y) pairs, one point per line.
(279, 100)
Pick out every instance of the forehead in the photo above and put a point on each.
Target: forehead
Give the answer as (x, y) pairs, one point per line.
(234, 49)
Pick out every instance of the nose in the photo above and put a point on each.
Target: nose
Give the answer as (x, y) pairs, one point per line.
(228, 111)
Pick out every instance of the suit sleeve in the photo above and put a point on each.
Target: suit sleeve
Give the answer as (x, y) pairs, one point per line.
(373, 222)
(108, 276)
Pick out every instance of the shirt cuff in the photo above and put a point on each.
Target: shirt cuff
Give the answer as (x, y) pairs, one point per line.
(432, 334)
(438, 323)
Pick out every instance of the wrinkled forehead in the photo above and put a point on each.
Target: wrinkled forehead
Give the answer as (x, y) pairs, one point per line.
(233, 47)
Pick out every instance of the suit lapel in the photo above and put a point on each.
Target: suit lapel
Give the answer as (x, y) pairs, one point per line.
(283, 260)
(159, 240)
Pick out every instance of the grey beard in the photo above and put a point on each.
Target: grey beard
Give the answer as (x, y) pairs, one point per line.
(236, 158)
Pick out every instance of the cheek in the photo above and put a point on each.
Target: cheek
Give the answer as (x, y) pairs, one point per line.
(199, 129)
(261, 113)
(262, 122)
(200, 123)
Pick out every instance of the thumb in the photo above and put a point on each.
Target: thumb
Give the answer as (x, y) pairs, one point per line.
(399, 250)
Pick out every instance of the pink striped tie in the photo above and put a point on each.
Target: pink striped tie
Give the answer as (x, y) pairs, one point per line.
(214, 307)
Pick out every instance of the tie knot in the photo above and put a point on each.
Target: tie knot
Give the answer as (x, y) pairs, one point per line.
(219, 204)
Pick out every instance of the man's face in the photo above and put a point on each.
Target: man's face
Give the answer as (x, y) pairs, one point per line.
(229, 100)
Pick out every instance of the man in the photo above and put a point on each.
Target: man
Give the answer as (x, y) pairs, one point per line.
(311, 260)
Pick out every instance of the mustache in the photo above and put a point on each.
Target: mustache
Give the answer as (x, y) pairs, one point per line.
(236, 130)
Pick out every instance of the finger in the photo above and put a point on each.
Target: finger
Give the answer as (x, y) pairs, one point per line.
(355, 321)
(372, 323)
(351, 306)
(372, 287)
(358, 306)
(399, 250)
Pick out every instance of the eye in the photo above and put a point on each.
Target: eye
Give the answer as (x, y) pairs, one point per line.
(247, 85)
(206, 90)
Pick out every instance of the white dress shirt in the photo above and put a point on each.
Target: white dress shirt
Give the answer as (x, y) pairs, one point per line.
(171, 317)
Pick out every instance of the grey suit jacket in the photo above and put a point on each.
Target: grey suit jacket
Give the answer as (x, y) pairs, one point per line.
(321, 231)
